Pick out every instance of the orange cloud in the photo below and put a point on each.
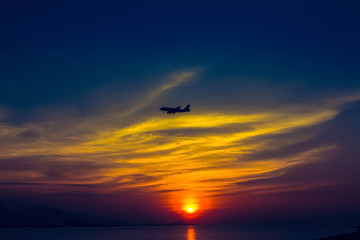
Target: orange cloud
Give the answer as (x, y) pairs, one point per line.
(189, 156)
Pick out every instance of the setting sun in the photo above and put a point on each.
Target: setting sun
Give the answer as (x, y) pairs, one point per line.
(190, 205)
(190, 209)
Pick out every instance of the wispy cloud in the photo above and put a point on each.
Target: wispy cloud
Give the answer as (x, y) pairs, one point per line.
(172, 82)
(183, 155)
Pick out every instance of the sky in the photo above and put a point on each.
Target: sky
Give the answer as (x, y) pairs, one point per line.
(273, 133)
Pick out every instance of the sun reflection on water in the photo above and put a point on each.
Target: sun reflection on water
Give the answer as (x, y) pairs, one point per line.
(191, 233)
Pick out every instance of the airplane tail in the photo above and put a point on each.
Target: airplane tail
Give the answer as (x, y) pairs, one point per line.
(187, 108)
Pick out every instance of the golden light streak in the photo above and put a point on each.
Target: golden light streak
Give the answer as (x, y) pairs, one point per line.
(185, 157)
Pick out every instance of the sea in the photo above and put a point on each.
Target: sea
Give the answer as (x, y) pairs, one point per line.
(200, 232)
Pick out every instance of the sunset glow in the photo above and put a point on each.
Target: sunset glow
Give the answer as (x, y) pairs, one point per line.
(209, 159)
(93, 119)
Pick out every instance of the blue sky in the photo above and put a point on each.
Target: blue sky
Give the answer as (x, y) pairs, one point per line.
(62, 49)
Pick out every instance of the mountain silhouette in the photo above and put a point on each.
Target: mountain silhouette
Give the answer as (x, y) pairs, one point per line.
(40, 217)
(52, 217)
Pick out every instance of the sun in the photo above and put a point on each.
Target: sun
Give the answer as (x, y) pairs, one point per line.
(190, 207)
(190, 210)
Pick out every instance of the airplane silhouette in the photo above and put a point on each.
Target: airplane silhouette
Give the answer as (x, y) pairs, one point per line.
(172, 111)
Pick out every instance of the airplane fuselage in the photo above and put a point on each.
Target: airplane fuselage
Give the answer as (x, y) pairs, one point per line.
(170, 110)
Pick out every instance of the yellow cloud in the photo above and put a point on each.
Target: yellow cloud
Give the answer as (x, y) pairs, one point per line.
(196, 154)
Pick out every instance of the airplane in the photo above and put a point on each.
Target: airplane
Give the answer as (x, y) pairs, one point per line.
(172, 111)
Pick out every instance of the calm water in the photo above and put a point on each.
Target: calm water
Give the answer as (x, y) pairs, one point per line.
(162, 233)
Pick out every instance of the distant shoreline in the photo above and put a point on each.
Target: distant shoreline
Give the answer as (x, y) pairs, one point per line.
(98, 226)
(42, 217)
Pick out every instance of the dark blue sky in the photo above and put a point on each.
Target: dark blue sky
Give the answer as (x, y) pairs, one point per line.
(51, 51)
